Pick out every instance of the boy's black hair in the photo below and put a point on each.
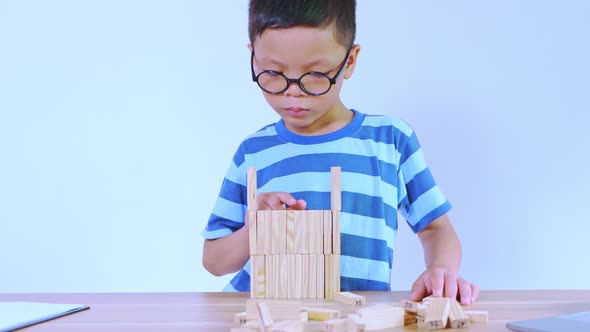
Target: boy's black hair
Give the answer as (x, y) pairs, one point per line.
(269, 14)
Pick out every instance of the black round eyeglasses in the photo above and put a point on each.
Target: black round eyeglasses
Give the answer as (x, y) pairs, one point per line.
(314, 83)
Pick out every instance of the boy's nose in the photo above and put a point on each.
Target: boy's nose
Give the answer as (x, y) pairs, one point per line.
(294, 89)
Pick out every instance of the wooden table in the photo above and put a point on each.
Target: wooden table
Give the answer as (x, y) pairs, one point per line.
(214, 311)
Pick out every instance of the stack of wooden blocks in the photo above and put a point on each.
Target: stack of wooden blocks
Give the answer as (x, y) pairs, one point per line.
(294, 254)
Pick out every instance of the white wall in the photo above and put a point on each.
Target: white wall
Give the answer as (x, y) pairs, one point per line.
(118, 120)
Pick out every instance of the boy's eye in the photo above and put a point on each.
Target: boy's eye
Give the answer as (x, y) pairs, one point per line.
(273, 73)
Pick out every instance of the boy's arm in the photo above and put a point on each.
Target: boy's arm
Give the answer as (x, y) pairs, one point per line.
(442, 255)
(227, 254)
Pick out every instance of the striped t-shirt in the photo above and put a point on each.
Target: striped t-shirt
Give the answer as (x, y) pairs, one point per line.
(383, 172)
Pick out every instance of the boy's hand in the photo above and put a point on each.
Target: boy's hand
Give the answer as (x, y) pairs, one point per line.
(441, 282)
(279, 201)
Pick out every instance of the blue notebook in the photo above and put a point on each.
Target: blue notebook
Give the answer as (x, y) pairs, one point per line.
(17, 315)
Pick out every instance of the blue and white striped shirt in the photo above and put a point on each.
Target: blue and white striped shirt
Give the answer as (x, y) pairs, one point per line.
(383, 172)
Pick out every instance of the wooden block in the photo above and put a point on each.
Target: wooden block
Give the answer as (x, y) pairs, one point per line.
(316, 241)
(269, 277)
(355, 323)
(328, 277)
(241, 329)
(301, 233)
(298, 289)
(264, 318)
(267, 231)
(312, 276)
(320, 292)
(279, 231)
(410, 306)
(335, 325)
(336, 200)
(290, 276)
(314, 313)
(457, 317)
(240, 318)
(336, 273)
(409, 318)
(336, 232)
(327, 232)
(260, 230)
(277, 277)
(305, 284)
(281, 218)
(290, 232)
(251, 188)
(252, 236)
(279, 309)
(382, 316)
(257, 277)
(287, 326)
(350, 298)
(283, 268)
(477, 316)
(437, 313)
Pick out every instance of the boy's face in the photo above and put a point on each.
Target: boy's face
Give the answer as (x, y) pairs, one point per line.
(294, 52)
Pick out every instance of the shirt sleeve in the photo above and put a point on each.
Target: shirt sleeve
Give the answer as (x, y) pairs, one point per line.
(229, 209)
(420, 200)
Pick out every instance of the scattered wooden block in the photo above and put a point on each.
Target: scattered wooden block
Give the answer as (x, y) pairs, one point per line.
(322, 314)
(350, 298)
(477, 316)
(287, 326)
(279, 310)
(264, 318)
(409, 318)
(457, 317)
(355, 323)
(381, 316)
(241, 329)
(410, 306)
(335, 325)
(240, 318)
(437, 313)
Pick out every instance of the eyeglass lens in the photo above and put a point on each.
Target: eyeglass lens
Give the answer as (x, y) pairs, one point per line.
(276, 82)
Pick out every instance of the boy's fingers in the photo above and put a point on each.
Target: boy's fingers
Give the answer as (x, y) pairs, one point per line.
(450, 286)
(437, 281)
(465, 294)
(474, 293)
(286, 198)
(299, 205)
(418, 290)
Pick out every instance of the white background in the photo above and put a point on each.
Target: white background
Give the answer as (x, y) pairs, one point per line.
(118, 120)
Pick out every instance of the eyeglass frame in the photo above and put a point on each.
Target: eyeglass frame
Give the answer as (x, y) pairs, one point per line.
(298, 80)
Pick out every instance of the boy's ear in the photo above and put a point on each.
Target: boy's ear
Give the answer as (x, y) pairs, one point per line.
(352, 58)
(250, 47)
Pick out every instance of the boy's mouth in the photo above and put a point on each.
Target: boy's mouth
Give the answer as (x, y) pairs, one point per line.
(295, 111)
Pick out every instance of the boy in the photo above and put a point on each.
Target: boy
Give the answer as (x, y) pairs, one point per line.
(301, 52)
